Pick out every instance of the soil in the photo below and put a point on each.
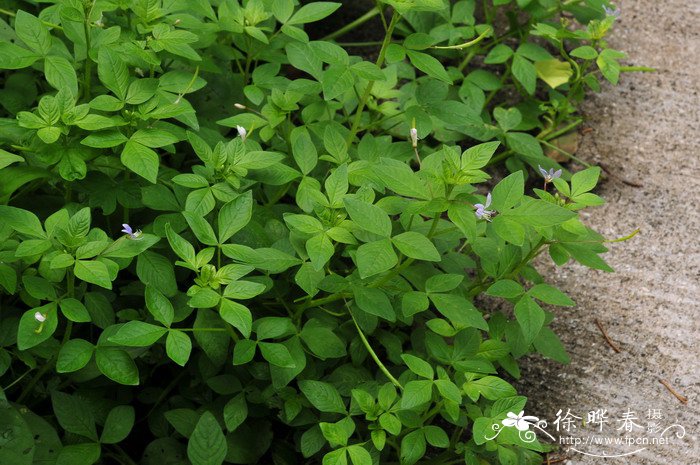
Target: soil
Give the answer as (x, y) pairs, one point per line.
(645, 131)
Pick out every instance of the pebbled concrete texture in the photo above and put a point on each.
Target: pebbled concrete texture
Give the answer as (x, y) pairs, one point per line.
(646, 130)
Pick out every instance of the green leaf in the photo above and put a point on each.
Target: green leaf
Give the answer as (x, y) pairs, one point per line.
(235, 215)
(505, 288)
(584, 181)
(31, 332)
(586, 52)
(79, 454)
(508, 192)
(416, 245)
(74, 355)
(608, 64)
(336, 81)
(303, 150)
(359, 455)
(539, 213)
(137, 334)
(525, 145)
(548, 344)
(32, 32)
(141, 160)
(443, 282)
(94, 272)
(303, 58)
(509, 230)
(180, 246)
(207, 444)
(60, 73)
(201, 228)
(525, 73)
(178, 346)
(15, 57)
(491, 387)
(412, 447)
(312, 12)
(74, 414)
(320, 250)
(400, 178)
(237, 315)
(154, 138)
(323, 396)
(7, 158)
(375, 257)
(460, 312)
(117, 365)
(374, 301)
(159, 306)
(113, 72)
(416, 393)
(118, 424)
(429, 65)
(277, 354)
(22, 221)
(550, 295)
(322, 341)
(498, 54)
(368, 217)
(530, 318)
(418, 366)
(235, 412)
(436, 436)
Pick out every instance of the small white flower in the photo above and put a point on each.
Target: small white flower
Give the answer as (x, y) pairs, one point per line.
(242, 132)
(40, 317)
(239, 106)
(414, 137)
(520, 421)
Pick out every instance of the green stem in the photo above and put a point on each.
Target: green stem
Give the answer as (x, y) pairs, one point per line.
(370, 84)
(354, 24)
(639, 69)
(373, 354)
(88, 62)
(371, 43)
(564, 152)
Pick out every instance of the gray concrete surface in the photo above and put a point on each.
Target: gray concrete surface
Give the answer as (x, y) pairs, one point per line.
(646, 130)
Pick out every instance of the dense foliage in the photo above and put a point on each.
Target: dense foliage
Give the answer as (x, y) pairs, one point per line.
(308, 283)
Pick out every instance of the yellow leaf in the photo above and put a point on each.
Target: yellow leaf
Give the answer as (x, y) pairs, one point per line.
(554, 72)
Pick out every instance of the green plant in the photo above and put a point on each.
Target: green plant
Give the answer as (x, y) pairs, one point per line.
(312, 253)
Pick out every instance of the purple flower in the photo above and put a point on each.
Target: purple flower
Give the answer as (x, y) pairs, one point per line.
(481, 211)
(130, 232)
(612, 12)
(550, 175)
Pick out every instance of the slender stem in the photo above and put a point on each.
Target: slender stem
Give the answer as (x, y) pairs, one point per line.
(88, 61)
(373, 354)
(639, 69)
(354, 24)
(370, 84)
(564, 152)
(361, 44)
